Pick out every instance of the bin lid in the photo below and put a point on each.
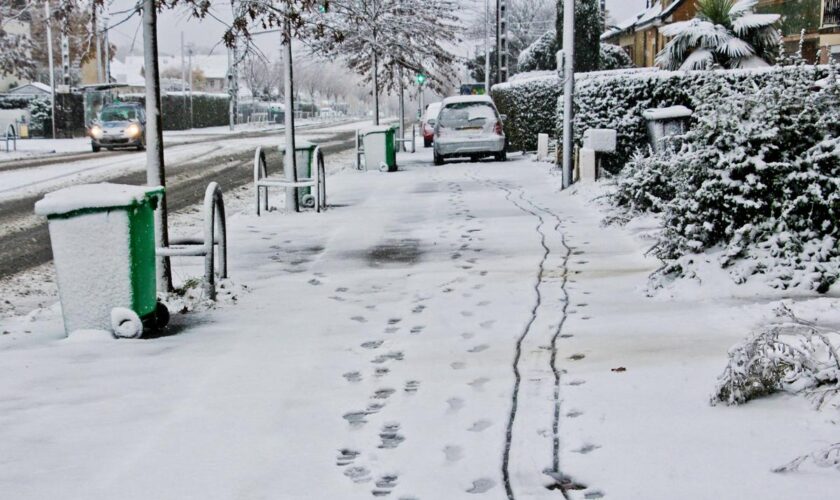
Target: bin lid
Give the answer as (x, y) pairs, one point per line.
(376, 129)
(300, 145)
(87, 198)
(670, 113)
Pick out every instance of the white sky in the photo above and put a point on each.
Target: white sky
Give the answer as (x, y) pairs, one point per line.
(208, 33)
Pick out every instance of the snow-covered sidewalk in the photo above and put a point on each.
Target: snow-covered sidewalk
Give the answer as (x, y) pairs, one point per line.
(439, 333)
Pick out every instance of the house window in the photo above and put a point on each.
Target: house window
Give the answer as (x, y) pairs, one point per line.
(831, 13)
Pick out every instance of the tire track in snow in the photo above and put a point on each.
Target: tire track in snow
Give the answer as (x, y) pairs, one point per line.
(540, 213)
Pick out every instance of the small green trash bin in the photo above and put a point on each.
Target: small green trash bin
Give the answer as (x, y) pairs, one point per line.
(103, 242)
(304, 163)
(380, 148)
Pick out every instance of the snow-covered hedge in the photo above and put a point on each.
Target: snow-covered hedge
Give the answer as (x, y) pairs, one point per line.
(616, 99)
(529, 101)
(756, 181)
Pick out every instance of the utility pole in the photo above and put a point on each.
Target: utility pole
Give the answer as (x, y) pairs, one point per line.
(107, 44)
(52, 65)
(402, 112)
(155, 173)
(191, 87)
(375, 86)
(487, 47)
(568, 90)
(289, 163)
(501, 40)
(183, 76)
(65, 57)
(97, 44)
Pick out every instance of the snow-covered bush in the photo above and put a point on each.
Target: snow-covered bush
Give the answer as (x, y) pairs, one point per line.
(756, 179)
(789, 355)
(616, 99)
(614, 57)
(529, 101)
(40, 112)
(540, 55)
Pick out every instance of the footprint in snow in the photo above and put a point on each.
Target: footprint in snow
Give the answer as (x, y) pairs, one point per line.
(482, 485)
(418, 309)
(455, 404)
(478, 384)
(392, 329)
(467, 335)
(574, 413)
(487, 324)
(359, 319)
(480, 425)
(458, 365)
(417, 329)
(372, 344)
(586, 448)
(453, 453)
(394, 355)
(577, 357)
(314, 282)
(353, 376)
(576, 382)
(394, 321)
(479, 348)
(384, 485)
(483, 303)
(346, 457)
(358, 474)
(341, 289)
(467, 314)
(383, 393)
(391, 438)
(412, 386)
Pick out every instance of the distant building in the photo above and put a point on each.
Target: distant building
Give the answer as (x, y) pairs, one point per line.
(640, 37)
(132, 72)
(34, 89)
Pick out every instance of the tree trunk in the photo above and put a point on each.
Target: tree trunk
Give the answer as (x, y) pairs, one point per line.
(289, 165)
(155, 174)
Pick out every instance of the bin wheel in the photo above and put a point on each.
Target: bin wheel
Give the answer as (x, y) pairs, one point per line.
(308, 201)
(126, 323)
(161, 316)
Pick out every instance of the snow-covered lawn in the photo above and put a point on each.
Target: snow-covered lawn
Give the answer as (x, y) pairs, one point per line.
(439, 333)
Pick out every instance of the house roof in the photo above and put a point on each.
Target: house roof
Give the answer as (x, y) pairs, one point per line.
(33, 88)
(653, 15)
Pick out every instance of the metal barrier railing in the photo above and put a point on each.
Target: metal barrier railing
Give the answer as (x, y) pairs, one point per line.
(215, 234)
(11, 134)
(412, 140)
(262, 181)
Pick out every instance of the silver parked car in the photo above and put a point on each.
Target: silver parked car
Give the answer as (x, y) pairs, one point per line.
(469, 126)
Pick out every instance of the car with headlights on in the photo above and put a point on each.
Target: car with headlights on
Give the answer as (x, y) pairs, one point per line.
(120, 125)
(469, 126)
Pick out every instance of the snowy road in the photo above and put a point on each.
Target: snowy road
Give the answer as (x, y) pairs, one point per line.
(24, 242)
(440, 333)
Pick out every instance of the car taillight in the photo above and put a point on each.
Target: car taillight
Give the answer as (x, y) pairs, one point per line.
(498, 129)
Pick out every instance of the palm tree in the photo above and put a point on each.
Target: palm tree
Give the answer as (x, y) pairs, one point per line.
(727, 33)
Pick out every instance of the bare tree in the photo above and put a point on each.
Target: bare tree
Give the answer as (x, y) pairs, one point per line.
(388, 41)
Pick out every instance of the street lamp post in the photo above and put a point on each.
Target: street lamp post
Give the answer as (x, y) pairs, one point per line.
(568, 89)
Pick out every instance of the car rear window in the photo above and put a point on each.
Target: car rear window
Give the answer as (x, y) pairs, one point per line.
(468, 115)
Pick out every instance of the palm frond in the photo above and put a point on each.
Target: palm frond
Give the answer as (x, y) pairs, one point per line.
(742, 7)
(735, 48)
(698, 60)
(752, 21)
(750, 62)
